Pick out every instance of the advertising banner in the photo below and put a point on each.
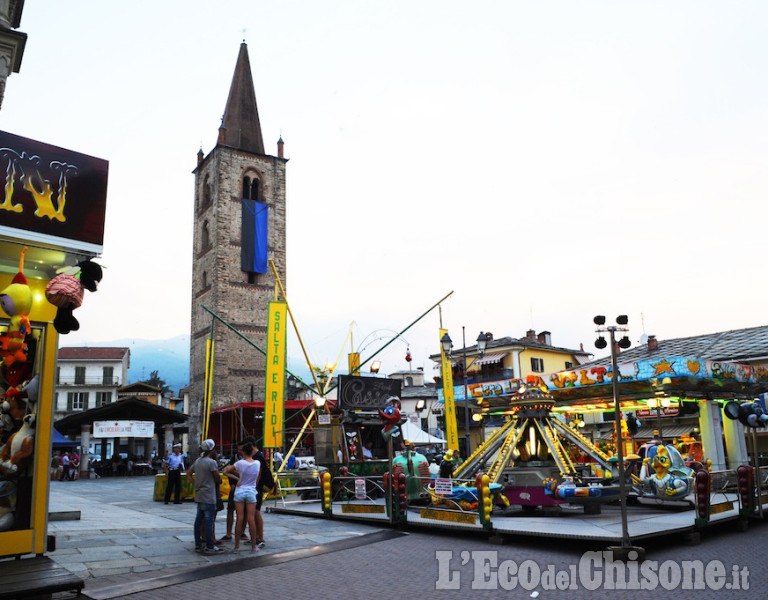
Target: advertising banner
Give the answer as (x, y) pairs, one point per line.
(127, 429)
(451, 426)
(274, 397)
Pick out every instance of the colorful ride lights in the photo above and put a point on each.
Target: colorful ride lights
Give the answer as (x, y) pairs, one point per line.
(400, 497)
(745, 478)
(702, 485)
(485, 502)
(325, 484)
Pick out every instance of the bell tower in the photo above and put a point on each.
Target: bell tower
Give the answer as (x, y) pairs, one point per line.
(239, 224)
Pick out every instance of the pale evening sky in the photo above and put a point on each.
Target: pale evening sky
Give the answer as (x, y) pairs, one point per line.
(546, 161)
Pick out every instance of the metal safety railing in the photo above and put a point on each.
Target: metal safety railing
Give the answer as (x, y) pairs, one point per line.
(302, 483)
(348, 489)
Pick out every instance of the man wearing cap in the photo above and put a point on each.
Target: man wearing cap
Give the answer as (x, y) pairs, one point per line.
(173, 467)
(205, 474)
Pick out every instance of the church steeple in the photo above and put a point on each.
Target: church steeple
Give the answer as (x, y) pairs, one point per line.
(240, 127)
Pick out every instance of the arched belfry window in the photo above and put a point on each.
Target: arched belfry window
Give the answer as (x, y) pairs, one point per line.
(250, 188)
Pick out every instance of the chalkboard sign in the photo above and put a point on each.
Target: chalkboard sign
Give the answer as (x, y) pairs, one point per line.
(366, 393)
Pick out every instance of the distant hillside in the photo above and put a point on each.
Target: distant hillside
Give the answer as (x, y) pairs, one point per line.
(170, 358)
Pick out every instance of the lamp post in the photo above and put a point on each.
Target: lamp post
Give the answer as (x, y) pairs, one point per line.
(447, 344)
(623, 551)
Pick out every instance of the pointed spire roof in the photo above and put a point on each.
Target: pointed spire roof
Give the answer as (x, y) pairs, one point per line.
(240, 127)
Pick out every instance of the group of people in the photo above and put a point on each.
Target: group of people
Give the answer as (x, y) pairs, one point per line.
(65, 467)
(249, 478)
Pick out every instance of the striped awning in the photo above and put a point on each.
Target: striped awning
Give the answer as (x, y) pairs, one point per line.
(488, 359)
(476, 361)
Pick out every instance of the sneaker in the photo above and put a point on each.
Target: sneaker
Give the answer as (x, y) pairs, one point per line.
(199, 548)
(214, 550)
(260, 544)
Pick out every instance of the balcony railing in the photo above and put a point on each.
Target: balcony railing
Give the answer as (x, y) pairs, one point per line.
(92, 381)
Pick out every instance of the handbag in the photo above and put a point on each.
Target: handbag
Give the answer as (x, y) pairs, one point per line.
(219, 501)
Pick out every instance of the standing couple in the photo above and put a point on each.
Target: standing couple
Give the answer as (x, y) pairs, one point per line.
(246, 475)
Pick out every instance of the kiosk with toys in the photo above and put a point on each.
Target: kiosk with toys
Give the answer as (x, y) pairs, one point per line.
(52, 207)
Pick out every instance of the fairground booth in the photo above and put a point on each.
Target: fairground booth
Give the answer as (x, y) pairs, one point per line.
(52, 207)
(667, 397)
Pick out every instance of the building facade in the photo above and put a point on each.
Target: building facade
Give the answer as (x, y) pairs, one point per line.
(239, 226)
(12, 42)
(88, 377)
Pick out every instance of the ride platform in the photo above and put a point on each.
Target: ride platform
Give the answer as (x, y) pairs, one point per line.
(646, 519)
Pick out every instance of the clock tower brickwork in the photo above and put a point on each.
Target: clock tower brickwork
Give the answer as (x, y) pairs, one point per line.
(235, 169)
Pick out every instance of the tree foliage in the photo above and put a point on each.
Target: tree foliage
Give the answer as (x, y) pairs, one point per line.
(156, 381)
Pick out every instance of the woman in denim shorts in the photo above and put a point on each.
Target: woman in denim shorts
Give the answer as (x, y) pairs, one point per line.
(245, 494)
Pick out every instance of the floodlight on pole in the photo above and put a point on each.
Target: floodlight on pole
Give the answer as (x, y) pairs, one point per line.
(601, 342)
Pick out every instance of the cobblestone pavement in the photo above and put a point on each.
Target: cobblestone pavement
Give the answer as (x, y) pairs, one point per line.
(342, 559)
(122, 531)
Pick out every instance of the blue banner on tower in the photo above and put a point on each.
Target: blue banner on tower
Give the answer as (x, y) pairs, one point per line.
(253, 252)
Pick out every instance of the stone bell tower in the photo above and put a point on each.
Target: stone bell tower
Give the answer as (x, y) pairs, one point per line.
(239, 223)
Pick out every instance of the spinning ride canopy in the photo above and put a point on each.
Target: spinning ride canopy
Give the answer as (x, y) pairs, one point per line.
(532, 435)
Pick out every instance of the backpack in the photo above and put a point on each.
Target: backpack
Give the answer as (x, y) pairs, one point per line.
(266, 479)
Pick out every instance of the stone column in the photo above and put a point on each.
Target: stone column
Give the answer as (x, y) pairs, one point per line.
(735, 443)
(85, 443)
(712, 433)
(168, 440)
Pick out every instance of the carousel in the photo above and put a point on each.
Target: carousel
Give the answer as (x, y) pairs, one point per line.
(533, 457)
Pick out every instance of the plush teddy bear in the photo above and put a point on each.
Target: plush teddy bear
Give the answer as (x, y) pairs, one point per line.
(16, 302)
(66, 292)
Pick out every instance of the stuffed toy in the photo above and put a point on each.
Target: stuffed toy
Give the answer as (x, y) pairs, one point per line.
(19, 448)
(16, 302)
(66, 290)
(390, 418)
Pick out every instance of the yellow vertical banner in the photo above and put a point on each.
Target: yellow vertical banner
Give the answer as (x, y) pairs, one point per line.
(451, 427)
(208, 391)
(274, 396)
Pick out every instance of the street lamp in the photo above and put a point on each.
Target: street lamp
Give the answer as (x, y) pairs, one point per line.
(447, 343)
(624, 343)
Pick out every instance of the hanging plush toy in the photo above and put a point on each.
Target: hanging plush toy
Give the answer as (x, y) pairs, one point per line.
(16, 302)
(66, 292)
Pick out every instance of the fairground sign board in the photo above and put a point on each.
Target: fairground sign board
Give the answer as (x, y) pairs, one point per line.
(366, 393)
(52, 196)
